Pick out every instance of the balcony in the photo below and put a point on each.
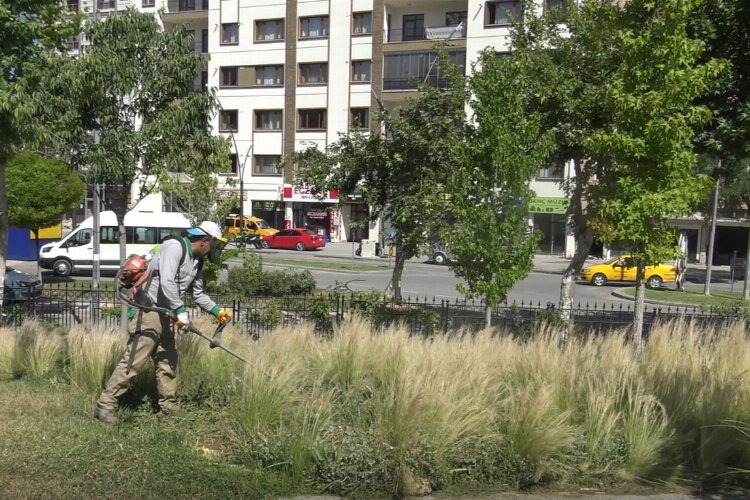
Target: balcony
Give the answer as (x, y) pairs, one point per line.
(181, 11)
(404, 71)
(426, 33)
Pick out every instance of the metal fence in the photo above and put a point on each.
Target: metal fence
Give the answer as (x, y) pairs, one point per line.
(76, 303)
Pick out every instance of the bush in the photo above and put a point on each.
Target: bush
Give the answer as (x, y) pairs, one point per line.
(250, 280)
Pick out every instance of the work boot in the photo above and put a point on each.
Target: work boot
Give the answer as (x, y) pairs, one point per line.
(173, 412)
(108, 417)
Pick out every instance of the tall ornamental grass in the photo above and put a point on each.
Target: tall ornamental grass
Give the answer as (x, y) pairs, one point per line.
(378, 411)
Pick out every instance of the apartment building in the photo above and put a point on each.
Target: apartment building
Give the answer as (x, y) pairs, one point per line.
(290, 73)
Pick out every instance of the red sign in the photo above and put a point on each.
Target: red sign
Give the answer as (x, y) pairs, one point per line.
(297, 193)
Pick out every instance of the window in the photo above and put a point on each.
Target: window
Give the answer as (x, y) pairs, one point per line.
(142, 235)
(235, 76)
(233, 167)
(359, 118)
(361, 23)
(312, 119)
(313, 27)
(82, 237)
(402, 71)
(269, 75)
(105, 4)
(230, 34)
(109, 234)
(228, 120)
(166, 232)
(455, 18)
(269, 30)
(361, 71)
(554, 170)
(556, 4)
(204, 41)
(502, 13)
(413, 27)
(73, 5)
(148, 3)
(73, 42)
(313, 73)
(190, 38)
(266, 165)
(268, 119)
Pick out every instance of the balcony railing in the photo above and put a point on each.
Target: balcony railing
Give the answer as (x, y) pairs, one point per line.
(427, 33)
(403, 71)
(191, 5)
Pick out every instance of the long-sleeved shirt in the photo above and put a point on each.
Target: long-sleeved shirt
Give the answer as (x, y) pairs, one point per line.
(172, 281)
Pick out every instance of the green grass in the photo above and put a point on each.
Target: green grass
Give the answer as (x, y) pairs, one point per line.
(692, 296)
(307, 264)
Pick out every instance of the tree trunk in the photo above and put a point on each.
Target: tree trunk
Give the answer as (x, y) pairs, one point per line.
(36, 246)
(583, 238)
(398, 270)
(120, 211)
(640, 306)
(3, 229)
(487, 316)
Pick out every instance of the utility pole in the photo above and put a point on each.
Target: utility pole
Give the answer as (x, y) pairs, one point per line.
(96, 269)
(711, 240)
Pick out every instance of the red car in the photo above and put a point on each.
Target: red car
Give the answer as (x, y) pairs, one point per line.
(299, 239)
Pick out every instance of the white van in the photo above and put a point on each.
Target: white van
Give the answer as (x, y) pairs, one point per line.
(143, 231)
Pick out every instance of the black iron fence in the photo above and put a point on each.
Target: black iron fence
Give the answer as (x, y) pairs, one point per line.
(76, 303)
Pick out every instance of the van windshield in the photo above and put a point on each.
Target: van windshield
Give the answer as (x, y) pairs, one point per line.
(82, 237)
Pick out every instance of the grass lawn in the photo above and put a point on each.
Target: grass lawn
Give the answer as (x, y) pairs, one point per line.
(342, 266)
(51, 448)
(720, 298)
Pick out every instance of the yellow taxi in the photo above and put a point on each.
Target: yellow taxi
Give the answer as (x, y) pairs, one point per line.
(624, 269)
(253, 226)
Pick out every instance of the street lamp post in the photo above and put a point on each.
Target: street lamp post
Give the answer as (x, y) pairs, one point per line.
(242, 183)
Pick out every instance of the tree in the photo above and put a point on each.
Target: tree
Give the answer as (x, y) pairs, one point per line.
(132, 88)
(490, 194)
(647, 148)
(40, 191)
(29, 28)
(403, 173)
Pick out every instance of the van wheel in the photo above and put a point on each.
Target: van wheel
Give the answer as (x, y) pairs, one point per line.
(300, 247)
(654, 282)
(62, 267)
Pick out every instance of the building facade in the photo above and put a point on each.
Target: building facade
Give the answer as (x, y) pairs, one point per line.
(291, 73)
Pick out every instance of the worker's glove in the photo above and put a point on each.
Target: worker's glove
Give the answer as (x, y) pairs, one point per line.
(183, 321)
(224, 316)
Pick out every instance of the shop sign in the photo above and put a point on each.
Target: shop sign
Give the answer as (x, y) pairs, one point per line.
(316, 214)
(300, 193)
(548, 205)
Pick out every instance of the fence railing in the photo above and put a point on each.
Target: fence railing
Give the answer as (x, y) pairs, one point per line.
(70, 304)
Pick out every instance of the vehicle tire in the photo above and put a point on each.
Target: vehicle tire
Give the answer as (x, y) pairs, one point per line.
(264, 244)
(378, 251)
(358, 252)
(598, 279)
(62, 267)
(439, 258)
(300, 247)
(654, 281)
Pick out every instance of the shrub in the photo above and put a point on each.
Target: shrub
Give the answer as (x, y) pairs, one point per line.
(92, 356)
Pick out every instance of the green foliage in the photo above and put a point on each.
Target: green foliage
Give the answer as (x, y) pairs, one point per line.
(40, 190)
(489, 195)
(402, 174)
(250, 280)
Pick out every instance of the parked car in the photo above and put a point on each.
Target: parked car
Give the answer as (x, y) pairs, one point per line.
(441, 255)
(20, 286)
(254, 226)
(624, 269)
(299, 239)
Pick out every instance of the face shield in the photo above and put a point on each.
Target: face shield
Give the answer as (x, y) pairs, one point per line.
(217, 246)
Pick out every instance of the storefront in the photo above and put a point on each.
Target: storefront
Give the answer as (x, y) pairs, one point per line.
(305, 209)
(549, 220)
(270, 211)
